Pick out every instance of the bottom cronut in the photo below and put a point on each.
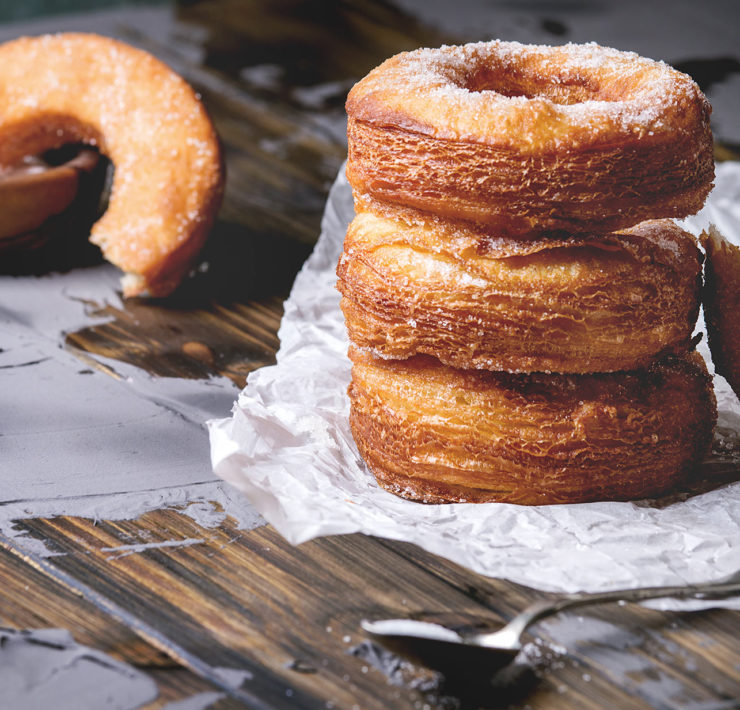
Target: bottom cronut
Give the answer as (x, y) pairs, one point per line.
(435, 434)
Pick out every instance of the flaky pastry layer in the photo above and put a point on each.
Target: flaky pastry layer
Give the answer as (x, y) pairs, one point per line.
(530, 139)
(579, 305)
(435, 434)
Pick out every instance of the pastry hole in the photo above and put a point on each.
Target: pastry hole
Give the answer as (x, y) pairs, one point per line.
(57, 195)
(96, 175)
(568, 90)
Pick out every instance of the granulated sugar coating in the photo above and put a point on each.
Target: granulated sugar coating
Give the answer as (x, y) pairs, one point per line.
(540, 97)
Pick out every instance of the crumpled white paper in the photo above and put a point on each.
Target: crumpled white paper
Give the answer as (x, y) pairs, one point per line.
(288, 447)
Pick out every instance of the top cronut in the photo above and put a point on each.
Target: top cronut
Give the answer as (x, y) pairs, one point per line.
(529, 97)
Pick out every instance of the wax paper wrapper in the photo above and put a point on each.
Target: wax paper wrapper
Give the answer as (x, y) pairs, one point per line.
(288, 447)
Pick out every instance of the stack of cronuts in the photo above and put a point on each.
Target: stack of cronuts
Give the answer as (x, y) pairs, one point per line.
(520, 307)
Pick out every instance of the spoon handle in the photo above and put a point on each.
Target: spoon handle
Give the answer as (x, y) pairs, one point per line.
(542, 609)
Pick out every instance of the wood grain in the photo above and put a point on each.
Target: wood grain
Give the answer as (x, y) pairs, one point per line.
(248, 600)
(33, 600)
(251, 601)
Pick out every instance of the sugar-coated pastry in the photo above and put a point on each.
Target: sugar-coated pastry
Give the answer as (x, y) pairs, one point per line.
(168, 180)
(722, 305)
(577, 305)
(529, 139)
(436, 434)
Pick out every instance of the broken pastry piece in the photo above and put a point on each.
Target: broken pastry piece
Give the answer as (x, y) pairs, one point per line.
(722, 305)
(169, 176)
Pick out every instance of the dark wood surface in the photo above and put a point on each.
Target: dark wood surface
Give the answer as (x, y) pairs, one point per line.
(248, 600)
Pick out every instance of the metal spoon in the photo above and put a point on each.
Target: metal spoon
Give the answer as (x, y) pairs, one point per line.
(460, 654)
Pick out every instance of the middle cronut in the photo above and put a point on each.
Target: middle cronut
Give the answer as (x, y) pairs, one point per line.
(587, 304)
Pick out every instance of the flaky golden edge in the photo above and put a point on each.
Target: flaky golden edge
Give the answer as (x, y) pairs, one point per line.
(438, 435)
(569, 191)
(721, 299)
(600, 303)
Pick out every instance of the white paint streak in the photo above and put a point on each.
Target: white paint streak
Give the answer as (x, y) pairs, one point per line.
(207, 504)
(201, 701)
(126, 550)
(48, 669)
(79, 442)
(233, 677)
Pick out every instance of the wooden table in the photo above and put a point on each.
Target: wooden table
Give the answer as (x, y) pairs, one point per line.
(248, 600)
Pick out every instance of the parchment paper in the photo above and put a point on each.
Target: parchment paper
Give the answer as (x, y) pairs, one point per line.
(288, 447)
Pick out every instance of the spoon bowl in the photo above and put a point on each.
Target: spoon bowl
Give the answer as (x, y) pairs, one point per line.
(462, 654)
(438, 647)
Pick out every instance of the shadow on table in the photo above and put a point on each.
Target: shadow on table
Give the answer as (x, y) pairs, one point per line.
(223, 319)
(237, 265)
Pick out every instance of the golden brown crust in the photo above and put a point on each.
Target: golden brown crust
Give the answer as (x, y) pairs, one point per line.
(435, 434)
(529, 139)
(722, 305)
(169, 176)
(578, 305)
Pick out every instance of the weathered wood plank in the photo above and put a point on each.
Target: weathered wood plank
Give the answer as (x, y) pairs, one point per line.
(249, 600)
(33, 600)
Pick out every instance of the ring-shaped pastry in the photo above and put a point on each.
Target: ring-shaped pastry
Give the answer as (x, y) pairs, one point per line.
(585, 304)
(168, 181)
(435, 434)
(529, 139)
